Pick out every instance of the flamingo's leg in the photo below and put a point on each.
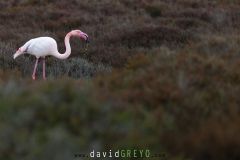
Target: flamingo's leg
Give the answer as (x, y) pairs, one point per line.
(35, 69)
(44, 69)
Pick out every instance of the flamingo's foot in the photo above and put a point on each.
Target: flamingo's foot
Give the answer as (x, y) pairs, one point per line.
(44, 78)
(33, 77)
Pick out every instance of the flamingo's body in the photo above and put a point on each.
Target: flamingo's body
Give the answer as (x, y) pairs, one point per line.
(47, 46)
(40, 47)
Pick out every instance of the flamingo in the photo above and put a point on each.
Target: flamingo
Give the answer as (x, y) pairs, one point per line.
(46, 46)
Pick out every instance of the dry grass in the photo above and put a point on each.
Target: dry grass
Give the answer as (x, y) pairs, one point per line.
(158, 74)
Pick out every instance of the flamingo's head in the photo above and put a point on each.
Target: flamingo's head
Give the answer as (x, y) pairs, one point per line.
(80, 34)
(18, 53)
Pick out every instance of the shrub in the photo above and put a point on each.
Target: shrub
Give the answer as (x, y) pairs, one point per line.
(169, 83)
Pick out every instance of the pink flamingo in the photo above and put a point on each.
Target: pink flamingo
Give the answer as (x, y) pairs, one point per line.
(45, 46)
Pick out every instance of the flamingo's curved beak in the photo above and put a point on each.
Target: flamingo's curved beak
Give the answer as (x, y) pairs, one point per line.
(87, 44)
(86, 38)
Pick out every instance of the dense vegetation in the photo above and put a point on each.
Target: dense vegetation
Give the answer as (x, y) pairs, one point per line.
(162, 75)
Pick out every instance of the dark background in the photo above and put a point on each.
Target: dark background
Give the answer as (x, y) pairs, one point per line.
(162, 75)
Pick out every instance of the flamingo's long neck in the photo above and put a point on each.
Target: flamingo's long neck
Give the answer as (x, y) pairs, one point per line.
(68, 48)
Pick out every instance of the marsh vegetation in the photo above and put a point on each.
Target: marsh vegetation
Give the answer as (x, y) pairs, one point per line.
(162, 75)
